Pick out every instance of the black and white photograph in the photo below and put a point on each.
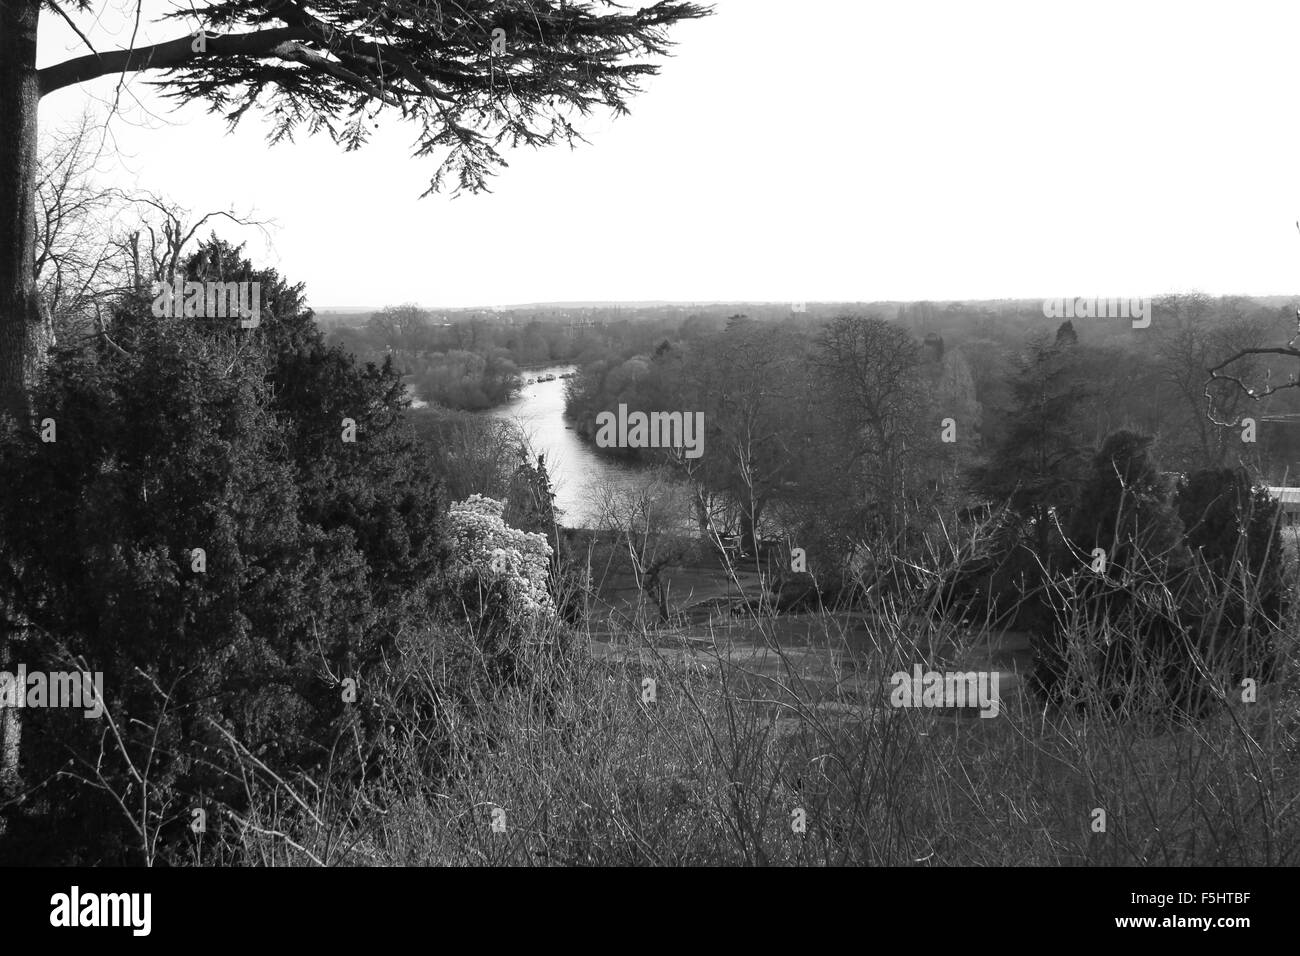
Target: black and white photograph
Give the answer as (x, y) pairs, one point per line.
(847, 435)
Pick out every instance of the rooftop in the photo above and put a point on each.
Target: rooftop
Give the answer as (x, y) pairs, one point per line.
(1288, 496)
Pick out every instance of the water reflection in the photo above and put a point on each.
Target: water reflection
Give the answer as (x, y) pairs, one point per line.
(577, 474)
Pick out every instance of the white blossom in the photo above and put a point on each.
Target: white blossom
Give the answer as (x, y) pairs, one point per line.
(486, 551)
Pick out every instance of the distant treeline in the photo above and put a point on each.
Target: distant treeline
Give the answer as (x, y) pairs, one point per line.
(1151, 380)
(844, 425)
(471, 360)
(469, 364)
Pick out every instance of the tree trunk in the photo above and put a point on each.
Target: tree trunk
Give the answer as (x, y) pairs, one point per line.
(701, 511)
(25, 332)
(10, 725)
(749, 520)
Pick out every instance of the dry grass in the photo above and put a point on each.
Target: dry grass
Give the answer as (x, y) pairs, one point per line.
(726, 760)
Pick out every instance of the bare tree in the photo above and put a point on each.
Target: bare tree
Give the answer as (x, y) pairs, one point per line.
(871, 372)
(643, 513)
(400, 325)
(75, 263)
(1192, 332)
(748, 382)
(1244, 374)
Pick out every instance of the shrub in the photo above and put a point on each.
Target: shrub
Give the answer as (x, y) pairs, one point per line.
(177, 434)
(498, 575)
(1233, 533)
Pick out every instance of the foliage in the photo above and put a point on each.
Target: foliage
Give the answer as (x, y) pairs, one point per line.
(183, 434)
(1038, 463)
(1233, 523)
(1125, 510)
(467, 380)
(469, 453)
(442, 67)
(530, 501)
(1233, 532)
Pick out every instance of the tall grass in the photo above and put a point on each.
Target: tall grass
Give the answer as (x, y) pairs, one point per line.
(736, 751)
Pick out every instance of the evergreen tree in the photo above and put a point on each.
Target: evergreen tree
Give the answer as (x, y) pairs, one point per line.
(201, 531)
(1128, 539)
(1038, 463)
(530, 500)
(1125, 510)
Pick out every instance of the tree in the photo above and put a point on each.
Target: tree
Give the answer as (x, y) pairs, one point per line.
(1038, 463)
(873, 395)
(1221, 507)
(1121, 624)
(470, 76)
(469, 453)
(398, 326)
(468, 380)
(1232, 528)
(953, 395)
(747, 382)
(1194, 330)
(641, 515)
(182, 434)
(78, 268)
(530, 501)
(1035, 469)
(1125, 510)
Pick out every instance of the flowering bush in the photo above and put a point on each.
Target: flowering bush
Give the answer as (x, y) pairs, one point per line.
(500, 569)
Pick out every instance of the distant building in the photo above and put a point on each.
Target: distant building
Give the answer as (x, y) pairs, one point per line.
(1288, 500)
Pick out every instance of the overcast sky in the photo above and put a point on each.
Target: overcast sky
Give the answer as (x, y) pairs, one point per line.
(806, 150)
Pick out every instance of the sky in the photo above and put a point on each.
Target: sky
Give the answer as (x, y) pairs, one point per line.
(805, 150)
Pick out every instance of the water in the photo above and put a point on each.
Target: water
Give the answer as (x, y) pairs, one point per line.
(578, 475)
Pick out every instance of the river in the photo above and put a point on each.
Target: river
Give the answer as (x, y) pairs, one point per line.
(578, 475)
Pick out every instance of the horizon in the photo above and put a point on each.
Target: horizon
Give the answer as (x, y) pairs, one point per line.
(689, 303)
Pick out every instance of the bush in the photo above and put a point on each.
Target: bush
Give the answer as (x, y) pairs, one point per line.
(1234, 536)
(183, 434)
(498, 576)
